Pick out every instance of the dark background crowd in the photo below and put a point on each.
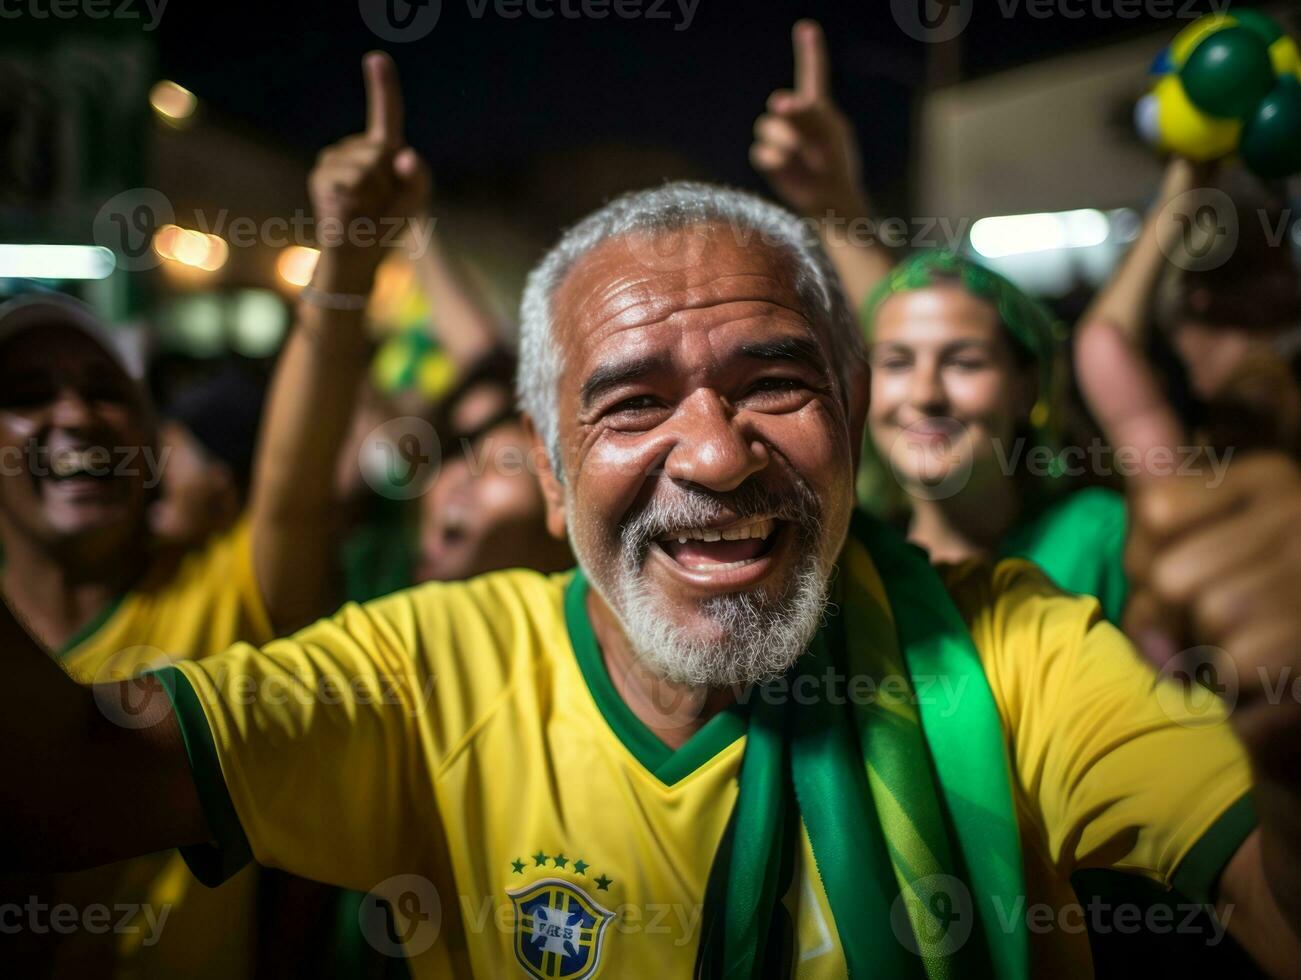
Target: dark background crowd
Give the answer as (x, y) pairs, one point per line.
(154, 166)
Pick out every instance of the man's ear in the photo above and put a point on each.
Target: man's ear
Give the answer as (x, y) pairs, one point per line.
(553, 491)
(859, 398)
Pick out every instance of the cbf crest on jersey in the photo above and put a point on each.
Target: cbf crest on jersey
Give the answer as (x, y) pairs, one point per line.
(558, 930)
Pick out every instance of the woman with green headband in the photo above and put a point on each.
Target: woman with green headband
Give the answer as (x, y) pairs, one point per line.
(963, 438)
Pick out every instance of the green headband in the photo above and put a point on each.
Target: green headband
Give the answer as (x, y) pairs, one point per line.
(1030, 323)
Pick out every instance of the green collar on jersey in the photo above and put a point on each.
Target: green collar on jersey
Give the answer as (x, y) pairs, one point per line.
(906, 800)
(666, 764)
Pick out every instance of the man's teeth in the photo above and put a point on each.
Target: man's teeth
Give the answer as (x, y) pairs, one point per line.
(755, 529)
(68, 463)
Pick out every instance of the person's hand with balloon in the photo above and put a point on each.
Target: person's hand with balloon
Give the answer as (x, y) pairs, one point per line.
(1228, 83)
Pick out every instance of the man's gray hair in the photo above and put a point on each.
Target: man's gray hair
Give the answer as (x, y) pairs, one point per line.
(673, 207)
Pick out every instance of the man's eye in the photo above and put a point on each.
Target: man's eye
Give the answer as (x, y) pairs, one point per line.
(969, 363)
(776, 384)
(629, 406)
(775, 394)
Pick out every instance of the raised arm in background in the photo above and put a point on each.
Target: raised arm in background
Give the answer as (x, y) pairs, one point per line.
(357, 182)
(805, 147)
(1126, 300)
(464, 323)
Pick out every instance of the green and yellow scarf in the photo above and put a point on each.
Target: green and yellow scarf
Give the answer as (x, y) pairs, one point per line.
(906, 801)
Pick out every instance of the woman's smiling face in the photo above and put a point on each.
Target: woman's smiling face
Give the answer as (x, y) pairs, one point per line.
(947, 388)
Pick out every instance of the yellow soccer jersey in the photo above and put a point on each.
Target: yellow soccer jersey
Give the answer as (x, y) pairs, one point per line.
(166, 923)
(460, 750)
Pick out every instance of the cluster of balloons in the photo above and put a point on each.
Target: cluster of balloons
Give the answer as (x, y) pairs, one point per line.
(1228, 83)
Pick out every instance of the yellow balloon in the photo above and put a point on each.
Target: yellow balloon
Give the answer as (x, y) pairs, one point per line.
(388, 364)
(435, 375)
(1284, 56)
(1187, 39)
(1188, 131)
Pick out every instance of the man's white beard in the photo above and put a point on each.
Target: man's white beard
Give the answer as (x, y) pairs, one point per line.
(750, 638)
(754, 640)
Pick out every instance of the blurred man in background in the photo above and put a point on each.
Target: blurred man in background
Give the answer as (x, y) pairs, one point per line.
(81, 570)
(484, 510)
(209, 435)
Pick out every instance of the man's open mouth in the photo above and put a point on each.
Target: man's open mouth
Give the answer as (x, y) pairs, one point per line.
(721, 548)
(75, 471)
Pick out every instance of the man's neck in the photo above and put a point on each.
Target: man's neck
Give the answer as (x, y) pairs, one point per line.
(672, 711)
(54, 597)
(970, 524)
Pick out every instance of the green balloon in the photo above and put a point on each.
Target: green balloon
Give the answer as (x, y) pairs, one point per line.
(1263, 24)
(1228, 73)
(1271, 139)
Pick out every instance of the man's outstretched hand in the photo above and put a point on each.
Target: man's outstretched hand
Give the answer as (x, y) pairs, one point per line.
(363, 183)
(1214, 568)
(803, 143)
(1210, 564)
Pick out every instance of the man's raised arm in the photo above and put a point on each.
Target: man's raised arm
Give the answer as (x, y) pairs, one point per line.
(355, 185)
(1126, 299)
(806, 148)
(89, 775)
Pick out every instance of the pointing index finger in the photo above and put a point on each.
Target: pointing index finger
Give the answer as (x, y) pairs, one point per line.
(812, 67)
(384, 115)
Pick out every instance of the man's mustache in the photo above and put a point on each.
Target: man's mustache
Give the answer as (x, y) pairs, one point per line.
(693, 507)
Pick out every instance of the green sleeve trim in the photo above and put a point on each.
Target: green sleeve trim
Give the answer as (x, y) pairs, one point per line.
(1199, 872)
(215, 863)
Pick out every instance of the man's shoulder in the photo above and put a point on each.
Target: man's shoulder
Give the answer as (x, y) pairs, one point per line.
(451, 654)
(1014, 609)
(979, 586)
(482, 630)
(518, 597)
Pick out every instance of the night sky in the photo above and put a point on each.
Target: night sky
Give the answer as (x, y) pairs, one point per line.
(486, 97)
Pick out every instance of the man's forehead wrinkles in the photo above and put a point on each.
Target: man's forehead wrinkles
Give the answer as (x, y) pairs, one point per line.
(600, 333)
(644, 304)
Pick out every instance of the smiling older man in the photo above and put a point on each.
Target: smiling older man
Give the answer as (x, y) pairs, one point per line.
(752, 733)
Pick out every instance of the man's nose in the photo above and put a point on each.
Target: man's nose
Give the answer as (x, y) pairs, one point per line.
(70, 409)
(712, 449)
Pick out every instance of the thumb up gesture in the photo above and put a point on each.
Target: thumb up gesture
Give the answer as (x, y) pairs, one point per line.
(1212, 565)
